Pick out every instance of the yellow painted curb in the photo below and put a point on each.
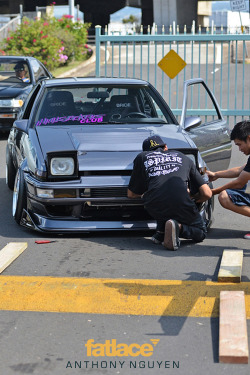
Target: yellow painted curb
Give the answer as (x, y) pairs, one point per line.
(115, 296)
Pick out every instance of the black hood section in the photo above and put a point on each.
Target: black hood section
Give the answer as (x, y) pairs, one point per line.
(13, 90)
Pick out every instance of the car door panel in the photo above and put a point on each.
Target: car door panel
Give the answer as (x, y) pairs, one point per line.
(212, 135)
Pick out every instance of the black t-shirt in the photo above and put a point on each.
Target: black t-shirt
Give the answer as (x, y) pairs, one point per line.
(247, 166)
(163, 177)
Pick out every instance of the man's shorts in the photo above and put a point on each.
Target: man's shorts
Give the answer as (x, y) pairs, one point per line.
(239, 197)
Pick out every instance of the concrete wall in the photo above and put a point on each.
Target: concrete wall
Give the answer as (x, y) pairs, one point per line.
(165, 12)
(186, 12)
(180, 11)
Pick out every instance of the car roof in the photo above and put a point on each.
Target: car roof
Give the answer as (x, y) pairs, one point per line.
(94, 81)
(17, 58)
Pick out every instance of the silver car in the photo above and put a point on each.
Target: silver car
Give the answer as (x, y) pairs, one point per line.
(70, 154)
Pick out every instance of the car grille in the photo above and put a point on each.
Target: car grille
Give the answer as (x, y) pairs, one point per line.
(115, 192)
(126, 172)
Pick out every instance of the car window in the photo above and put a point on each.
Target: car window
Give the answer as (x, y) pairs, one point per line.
(14, 72)
(198, 98)
(38, 70)
(100, 105)
(26, 109)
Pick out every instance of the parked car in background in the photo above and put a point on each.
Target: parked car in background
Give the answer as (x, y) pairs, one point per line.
(18, 75)
(70, 154)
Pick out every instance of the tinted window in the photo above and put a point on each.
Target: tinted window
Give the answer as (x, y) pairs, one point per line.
(100, 105)
(14, 72)
(26, 109)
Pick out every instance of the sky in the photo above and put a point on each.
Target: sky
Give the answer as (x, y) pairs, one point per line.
(125, 13)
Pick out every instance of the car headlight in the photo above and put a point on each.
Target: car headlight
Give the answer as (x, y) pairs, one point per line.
(62, 166)
(10, 103)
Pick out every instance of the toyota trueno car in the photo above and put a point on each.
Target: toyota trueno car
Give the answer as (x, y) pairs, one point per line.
(70, 154)
(18, 74)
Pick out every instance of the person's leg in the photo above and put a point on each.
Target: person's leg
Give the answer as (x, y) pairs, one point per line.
(195, 231)
(158, 237)
(227, 203)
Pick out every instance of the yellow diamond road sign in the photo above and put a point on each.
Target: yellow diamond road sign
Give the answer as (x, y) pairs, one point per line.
(172, 64)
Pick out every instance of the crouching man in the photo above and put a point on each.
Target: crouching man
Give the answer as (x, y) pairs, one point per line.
(234, 195)
(161, 178)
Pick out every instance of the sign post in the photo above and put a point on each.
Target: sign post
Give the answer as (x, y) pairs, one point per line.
(238, 6)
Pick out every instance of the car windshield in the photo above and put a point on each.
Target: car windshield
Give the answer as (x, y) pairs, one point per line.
(14, 72)
(100, 105)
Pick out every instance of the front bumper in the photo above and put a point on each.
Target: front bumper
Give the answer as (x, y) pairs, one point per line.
(106, 208)
(7, 119)
(51, 225)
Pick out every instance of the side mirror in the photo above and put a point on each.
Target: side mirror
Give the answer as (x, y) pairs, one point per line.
(192, 122)
(21, 125)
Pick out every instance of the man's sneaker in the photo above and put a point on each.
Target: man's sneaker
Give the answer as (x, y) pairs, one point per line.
(158, 238)
(247, 236)
(171, 238)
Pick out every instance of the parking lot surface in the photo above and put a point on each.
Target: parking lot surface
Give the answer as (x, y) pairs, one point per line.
(57, 296)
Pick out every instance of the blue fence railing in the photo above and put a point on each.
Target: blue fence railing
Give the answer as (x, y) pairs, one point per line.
(222, 60)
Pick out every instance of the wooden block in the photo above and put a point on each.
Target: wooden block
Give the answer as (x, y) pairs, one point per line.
(10, 252)
(231, 266)
(233, 341)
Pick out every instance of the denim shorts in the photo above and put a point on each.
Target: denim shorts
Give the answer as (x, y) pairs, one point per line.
(239, 197)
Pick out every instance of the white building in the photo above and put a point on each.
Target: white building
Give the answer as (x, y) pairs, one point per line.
(229, 19)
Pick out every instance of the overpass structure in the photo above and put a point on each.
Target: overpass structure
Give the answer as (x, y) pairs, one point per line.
(97, 12)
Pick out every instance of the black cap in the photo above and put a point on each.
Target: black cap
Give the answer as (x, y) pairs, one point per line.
(152, 143)
(19, 66)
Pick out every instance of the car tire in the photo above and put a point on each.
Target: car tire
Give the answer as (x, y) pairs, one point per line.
(10, 172)
(19, 201)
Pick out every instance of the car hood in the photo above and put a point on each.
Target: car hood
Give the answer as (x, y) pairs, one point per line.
(108, 147)
(13, 90)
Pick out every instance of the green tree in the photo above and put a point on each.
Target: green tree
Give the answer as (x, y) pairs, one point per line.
(130, 19)
(52, 41)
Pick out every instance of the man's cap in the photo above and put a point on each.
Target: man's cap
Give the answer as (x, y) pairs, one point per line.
(19, 66)
(152, 143)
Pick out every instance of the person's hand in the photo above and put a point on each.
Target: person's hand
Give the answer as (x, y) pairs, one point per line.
(211, 175)
(215, 191)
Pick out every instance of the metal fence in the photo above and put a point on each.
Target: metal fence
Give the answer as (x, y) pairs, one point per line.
(9, 27)
(222, 60)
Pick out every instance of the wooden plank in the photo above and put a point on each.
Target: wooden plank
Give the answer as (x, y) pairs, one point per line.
(231, 266)
(233, 341)
(10, 252)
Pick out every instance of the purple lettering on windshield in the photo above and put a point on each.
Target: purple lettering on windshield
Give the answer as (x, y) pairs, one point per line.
(82, 119)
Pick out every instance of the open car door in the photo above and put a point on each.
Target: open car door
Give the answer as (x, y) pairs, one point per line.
(202, 119)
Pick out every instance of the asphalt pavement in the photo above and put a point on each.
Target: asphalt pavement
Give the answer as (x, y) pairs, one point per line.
(37, 337)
